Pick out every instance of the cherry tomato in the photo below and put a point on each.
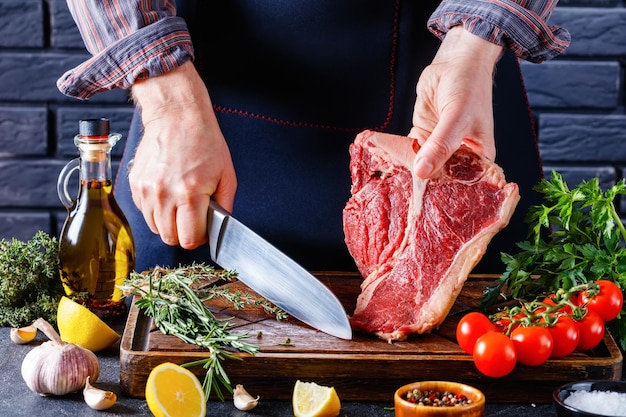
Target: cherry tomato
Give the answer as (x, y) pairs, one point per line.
(565, 336)
(494, 354)
(591, 329)
(607, 303)
(533, 344)
(471, 327)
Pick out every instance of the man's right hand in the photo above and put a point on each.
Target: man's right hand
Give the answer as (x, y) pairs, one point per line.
(182, 160)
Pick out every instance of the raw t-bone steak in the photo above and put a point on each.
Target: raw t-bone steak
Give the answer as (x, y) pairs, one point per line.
(416, 241)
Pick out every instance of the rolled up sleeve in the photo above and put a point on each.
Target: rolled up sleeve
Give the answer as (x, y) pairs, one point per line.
(128, 40)
(519, 25)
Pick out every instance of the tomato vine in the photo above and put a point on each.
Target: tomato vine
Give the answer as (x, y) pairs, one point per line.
(531, 332)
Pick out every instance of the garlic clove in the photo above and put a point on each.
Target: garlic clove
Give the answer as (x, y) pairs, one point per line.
(244, 401)
(98, 399)
(23, 335)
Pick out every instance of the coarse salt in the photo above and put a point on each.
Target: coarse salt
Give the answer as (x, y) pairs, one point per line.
(606, 403)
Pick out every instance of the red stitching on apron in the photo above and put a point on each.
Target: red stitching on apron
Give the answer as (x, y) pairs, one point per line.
(390, 108)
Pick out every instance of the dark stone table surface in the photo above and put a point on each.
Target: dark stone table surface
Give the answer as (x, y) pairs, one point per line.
(17, 400)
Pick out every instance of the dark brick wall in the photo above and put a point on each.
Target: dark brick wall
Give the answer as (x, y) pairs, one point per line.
(577, 99)
(38, 43)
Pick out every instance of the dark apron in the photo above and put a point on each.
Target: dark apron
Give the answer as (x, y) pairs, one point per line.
(292, 83)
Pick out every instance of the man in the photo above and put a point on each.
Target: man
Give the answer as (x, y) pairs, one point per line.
(277, 90)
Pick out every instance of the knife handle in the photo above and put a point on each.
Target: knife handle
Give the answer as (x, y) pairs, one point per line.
(216, 219)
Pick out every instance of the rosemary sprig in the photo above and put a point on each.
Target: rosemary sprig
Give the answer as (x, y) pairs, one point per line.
(176, 304)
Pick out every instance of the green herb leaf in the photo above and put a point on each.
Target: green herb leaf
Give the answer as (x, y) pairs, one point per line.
(575, 236)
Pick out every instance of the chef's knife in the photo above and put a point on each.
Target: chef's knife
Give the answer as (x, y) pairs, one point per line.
(273, 274)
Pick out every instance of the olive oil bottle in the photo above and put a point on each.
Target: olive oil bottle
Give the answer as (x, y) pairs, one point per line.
(96, 246)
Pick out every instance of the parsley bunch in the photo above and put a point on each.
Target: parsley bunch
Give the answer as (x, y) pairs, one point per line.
(30, 286)
(576, 236)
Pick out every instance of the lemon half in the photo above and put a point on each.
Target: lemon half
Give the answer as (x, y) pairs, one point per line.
(313, 400)
(174, 391)
(80, 326)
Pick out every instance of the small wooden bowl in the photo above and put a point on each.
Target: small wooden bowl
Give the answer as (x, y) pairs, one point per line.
(404, 408)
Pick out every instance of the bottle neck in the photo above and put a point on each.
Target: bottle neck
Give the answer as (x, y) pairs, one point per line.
(95, 162)
(95, 156)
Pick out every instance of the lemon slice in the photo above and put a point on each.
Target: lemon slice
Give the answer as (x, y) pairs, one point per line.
(174, 391)
(78, 325)
(313, 400)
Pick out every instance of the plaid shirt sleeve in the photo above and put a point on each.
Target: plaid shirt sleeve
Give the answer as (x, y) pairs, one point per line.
(129, 40)
(519, 25)
(133, 39)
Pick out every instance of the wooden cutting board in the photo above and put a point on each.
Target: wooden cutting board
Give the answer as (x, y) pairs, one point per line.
(362, 369)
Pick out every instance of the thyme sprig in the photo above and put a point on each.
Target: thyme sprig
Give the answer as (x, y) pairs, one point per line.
(242, 299)
(30, 286)
(175, 300)
(576, 236)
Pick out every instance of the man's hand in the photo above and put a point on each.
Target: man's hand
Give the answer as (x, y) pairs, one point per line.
(454, 101)
(182, 160)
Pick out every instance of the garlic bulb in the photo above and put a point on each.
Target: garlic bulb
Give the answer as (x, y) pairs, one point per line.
(244, 401)
(98, 399)
(56, 367)
(23, 335)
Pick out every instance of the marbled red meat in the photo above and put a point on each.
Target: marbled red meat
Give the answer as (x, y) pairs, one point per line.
(416, 241)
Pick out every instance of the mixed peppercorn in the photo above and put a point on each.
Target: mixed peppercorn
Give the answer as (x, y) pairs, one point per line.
(436, 398)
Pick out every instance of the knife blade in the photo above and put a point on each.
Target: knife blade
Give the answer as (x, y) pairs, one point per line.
(274, 275)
